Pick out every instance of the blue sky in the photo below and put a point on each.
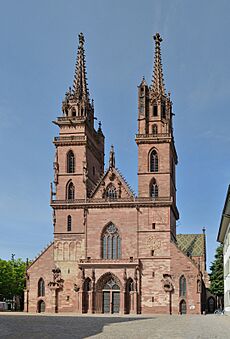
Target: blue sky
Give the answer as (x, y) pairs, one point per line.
(38, 51)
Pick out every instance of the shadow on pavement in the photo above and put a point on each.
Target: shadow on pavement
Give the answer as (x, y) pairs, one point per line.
(41, 326)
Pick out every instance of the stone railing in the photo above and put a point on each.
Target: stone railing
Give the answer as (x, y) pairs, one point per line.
(150, 136)
(114, 201)
(70, 138)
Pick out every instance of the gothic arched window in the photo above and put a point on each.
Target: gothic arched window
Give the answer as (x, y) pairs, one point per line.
(154, 129)
(73, 112)
(70, 162)
(69, 223)
(182, 286)
(111, 243)
(155, 109)
(154, 189)
(163, 111)
(41, 287)
(111, 192)
(70, 191)
(153, 161)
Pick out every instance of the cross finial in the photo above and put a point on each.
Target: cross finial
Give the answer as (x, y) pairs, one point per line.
(158, 39)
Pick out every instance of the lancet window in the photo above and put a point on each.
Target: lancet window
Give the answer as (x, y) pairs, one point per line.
(69, 223)
(41, 287)
(70, 162)
(154, 161)
(154, 189)
(70, 191)
(182, 286)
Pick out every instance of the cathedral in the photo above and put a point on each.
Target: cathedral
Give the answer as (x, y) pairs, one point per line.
(114, 251)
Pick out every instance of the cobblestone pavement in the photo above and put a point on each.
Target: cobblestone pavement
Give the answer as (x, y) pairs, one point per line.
(73, 326)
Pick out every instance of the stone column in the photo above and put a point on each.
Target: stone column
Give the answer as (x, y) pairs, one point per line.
(90, 302)
(53, 301)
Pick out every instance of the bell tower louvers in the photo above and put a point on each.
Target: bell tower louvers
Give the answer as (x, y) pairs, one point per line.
(157, 155)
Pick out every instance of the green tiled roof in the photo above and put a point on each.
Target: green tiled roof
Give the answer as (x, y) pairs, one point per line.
(191, 244)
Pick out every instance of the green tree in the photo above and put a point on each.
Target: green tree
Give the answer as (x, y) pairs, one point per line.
(217, 274)
(12, 279)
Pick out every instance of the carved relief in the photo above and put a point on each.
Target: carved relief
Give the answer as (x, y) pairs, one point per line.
(68, 250)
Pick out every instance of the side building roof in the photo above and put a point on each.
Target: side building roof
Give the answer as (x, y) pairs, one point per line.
(192, 244)
(225, 218)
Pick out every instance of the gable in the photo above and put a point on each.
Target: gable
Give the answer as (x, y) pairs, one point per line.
(114, 181)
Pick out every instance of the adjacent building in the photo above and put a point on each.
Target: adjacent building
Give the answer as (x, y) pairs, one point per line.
(224, 238)
(114, 251)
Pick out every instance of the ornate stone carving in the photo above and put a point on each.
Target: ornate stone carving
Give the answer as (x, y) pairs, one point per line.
(57, 282)
(167, 283)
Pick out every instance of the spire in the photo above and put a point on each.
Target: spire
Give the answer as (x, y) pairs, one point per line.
(158, 81)
(80, 86)
(112, 158)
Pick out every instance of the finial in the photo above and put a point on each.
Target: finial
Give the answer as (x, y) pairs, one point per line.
(158, 81)
(203, 230)
(158, 39)
(112, 158)
(80, 86)
(81, 38)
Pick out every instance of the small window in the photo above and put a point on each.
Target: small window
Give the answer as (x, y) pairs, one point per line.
(154, 129)
(70, 191)
(154, 189)
(152, 253)
(155, 113)
(73, 112)
(182, 286)
(69, 223)
(153, 274)
(70, 162)
(152, 299)
(41, 287)
(163, 111)
(153, 225)
(111, 192)
(153, 161)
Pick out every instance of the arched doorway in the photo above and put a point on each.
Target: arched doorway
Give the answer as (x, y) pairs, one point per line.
(211, 305)
(86, 289)
(108, 294)
(41, 306)
(129, 296)
(183, 307)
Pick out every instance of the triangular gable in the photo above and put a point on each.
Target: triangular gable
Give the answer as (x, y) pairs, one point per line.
(112, 177)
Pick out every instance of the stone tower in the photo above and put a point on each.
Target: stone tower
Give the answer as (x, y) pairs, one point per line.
(157, 155)
(79, 161)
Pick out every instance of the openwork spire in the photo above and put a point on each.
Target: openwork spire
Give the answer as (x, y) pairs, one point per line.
(158, 80)
(80, 86)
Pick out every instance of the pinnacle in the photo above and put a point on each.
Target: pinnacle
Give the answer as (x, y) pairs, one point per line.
(158, 80)
(80, 85)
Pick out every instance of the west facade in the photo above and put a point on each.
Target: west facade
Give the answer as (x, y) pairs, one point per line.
(114, 251)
